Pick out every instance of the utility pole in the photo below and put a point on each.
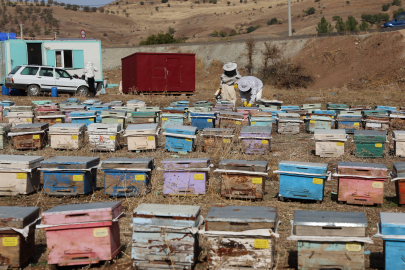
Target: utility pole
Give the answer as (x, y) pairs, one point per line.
(289, 19)
(55, 34)
(21, 30)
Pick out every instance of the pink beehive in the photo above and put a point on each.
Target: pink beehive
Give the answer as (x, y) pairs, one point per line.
(80, 234)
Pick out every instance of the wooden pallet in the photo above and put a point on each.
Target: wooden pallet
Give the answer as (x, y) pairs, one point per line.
(168, 93)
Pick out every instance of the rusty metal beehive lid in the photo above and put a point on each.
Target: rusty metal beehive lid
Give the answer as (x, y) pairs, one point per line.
(120, 162)
(30, 127)
(330, 219)
(17, 216)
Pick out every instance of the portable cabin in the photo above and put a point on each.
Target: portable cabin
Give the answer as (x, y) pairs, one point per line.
(158, 72)
(70, 54)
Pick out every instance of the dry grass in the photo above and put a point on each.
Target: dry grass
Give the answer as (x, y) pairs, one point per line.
(296, 148)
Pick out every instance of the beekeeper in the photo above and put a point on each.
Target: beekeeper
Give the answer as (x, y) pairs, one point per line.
(229, 82)
(250, 90)
(89, 72)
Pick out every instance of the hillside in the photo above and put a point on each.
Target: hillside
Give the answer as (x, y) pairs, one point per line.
(195, 21)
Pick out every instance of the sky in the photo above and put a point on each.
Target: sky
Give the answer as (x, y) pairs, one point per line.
(91, 3)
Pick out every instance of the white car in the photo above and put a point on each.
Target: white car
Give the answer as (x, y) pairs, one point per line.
(37, 79)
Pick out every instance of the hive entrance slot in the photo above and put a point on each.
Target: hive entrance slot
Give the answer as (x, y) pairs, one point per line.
(239, 223)
(165, 217)
(77, 215)
(80, 258)
(331, 228)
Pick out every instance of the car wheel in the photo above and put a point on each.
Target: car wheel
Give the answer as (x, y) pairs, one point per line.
(33, 90)
(82, 91)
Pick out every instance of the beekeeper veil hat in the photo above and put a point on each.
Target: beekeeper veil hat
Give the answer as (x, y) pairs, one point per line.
(245, 84)
(230, 66)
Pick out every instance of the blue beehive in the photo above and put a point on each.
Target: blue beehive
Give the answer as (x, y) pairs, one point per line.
(349, 122)
(172, 119)
(180, 138)
(69, 175)
(203, 120)
(393, 224)
(97, 109)
(180, 104)
(302, 180)
(90, 102)
(387, 109)
(127, 176)
(85, 117)
(329, 112)
(290, 108)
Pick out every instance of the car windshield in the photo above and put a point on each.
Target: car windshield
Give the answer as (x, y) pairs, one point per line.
(15, 70)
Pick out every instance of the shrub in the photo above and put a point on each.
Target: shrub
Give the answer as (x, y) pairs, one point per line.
(335, 18)
(105, 34)
(233, 32)
(396, 2)
(215, 33)
(117, 3)
(385, 17)
(228, 3)
(142, 3)
(223, 33)
(165, 1)
(171, 30)
(196, 2)
(364, 26)
(351, 24)
(93, 9)
(317, 1)
(74, 8)
(385, 7)
(324, 26)
(168, 5)
(86, 9)
(348, 2)
(252, 28)
(213, 1)
(156, 8)
(160, 39)
(272, 21)
(396, 13)
(241, 1)
(309, 11)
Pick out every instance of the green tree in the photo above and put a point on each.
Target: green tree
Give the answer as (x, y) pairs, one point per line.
(340, 25)
(309, 11)
(324, 26)
(351, 24)
(335, 18)
(385, 7)
(272, 21)
(364, 26)
(160, 39)
(396, 2)
(385, 17)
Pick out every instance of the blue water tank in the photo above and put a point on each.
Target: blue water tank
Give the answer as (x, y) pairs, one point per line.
(54, 92)
(4, 90)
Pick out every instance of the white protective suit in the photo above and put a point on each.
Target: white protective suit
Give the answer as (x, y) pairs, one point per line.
(229, 78)
(89, 70)
(250, 89)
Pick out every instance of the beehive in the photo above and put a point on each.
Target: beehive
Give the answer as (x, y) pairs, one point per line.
(329, 143)
(393, 225)
(86, 117)
(4, 130)
(361, 183)
(243, 179)
(29, 136)
(17, 249)
(172, 119)
(142, 136)
(104, 137)
(241, 237)
(261, 119)
(325, 239)
(67, 136)
(398, 173)
(82, 234)
(202, 120)
(185, 176)
(113, 117)
(17, 118)
(127, 176)
(68, 109)
(217, 138)
(246, 112)
(256, 140)
(399, 142)
(311, 107)
(349, 122)
(152, 238)
(319, 121)
(180, 138)
(69, 175)
(369, 143)
(288, 123)
(19, 174)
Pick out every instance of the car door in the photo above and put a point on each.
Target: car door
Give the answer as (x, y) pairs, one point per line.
(64, 81)
(46, 79)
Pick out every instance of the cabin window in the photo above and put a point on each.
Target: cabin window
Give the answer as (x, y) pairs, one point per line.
(64, 58)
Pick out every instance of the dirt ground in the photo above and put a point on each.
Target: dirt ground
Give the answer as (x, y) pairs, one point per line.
(295, 148)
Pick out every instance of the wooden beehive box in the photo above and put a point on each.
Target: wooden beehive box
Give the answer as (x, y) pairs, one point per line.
(229, 119)
(369, 143)
(246, 112)
(349, 122)
(16, 250)
(329, 142)
(397, 120)
(127, 176)
(82, 234)
(256, 140)
(157, 247)
(114, 117)
(67, 136)
(50, 117)
(319, 121)
(399, 142)
(67, 110)
(185, 176)
(4, 130)
(19, 174)
(288, 123)
(398, 171)
(243, 179)
(311, 107)
(180, 138)
(393, 224)
(240, 251)
(172, 119)
(104, 137)
(69, 175)
(217, 138)
(29, 136)
(136, 103)
(17, 118)
(361, 183)
(302, 180)
(330, 254)
(377, 122)
(261, 118)
(142, 136)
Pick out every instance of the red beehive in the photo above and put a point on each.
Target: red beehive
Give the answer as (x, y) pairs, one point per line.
(158, 72)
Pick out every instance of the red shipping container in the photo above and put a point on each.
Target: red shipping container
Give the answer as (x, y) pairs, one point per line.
(361, 183)
(80, 234)
(158, 72)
